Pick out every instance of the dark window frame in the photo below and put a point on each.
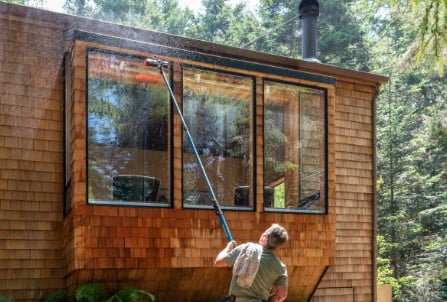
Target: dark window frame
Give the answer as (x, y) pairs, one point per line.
(253, 120)
(67, 88)
(326, 151)
(170, 138)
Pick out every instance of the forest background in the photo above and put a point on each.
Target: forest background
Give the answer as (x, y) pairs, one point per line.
(405, 40)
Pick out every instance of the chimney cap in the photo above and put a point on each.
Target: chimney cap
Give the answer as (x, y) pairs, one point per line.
(309, 8)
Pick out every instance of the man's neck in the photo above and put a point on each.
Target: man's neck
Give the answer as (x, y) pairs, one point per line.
(273, 251)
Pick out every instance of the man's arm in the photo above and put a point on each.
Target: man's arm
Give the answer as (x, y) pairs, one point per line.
(220, 259)
(279, 293)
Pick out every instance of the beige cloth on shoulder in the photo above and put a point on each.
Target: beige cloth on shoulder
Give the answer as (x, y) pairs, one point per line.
(247, 264)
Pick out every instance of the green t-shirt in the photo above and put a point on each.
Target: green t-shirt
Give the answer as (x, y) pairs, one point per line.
(271, 272)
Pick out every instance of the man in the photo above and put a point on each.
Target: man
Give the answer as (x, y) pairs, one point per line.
(264, 275)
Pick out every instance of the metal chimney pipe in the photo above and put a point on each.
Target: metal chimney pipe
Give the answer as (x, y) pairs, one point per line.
(309, 11)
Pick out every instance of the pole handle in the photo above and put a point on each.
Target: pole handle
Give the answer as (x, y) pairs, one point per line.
(156, 63)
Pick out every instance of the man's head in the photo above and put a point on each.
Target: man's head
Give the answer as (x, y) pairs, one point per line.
(274, 237)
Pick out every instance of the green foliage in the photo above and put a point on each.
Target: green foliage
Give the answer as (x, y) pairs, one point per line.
(34, 3)
(279, 196)
(434, 219)
(57, 296)
(384, 270)
(165, 16)
(97, 293)
(131, 295)
(90, 293)
(432, 37)
(21, 2)
(429, 44)
(276, 29)
(79, 8)
(340, 42)
(5, 299)
(412, 216)
(412, 165)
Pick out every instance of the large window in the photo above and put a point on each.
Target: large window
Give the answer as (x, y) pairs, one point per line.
(218, 110)
(294, 148)
(128, 132)
(129, 138)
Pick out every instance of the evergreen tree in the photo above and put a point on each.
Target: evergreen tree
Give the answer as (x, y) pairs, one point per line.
(430, 44)
(158, 15)
(411, 162)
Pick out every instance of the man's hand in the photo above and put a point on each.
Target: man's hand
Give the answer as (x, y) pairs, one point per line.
(220, 262)
(231, 245)
(278, 294)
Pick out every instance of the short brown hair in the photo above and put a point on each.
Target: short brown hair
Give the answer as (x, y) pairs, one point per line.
(277, 236)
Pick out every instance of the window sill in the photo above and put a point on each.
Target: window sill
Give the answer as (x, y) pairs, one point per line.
(129, 204)
(294, 211)
(206, 207)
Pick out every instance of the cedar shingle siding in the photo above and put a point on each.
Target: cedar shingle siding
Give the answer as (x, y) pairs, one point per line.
(31, 158)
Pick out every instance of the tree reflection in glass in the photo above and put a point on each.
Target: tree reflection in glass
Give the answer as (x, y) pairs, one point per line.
(216, 107)
(294, 147)
(128, 146)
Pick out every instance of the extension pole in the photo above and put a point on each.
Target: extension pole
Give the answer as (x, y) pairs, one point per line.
(160, 64)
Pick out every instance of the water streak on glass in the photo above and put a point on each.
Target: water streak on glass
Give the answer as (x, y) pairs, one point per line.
(128, 131)
(216, 107)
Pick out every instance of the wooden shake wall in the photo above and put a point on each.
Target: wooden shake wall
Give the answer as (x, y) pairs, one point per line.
(31, 158)
(351, 278)
(168, 251)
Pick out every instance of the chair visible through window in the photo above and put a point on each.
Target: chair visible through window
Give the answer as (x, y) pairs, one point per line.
(135, 188)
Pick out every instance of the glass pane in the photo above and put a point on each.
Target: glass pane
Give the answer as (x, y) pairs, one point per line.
(128, 126)
(294, 147)
(216, 107)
